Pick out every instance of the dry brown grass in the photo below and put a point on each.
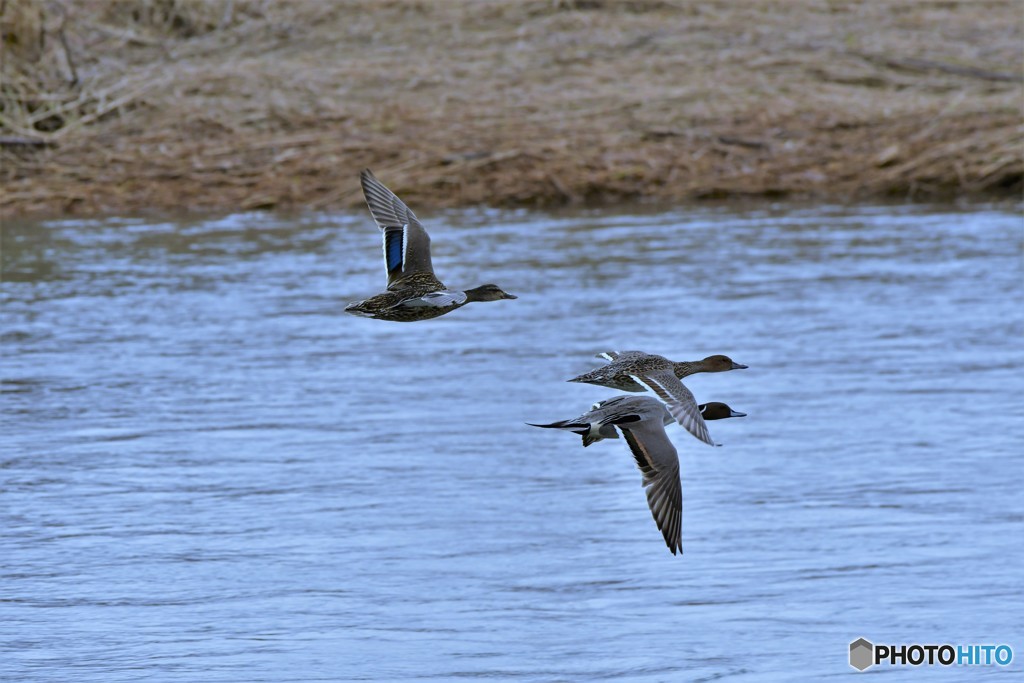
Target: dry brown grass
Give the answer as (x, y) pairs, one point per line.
(130, 105)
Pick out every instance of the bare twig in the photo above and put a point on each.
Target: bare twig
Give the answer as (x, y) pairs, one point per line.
(73, 80)
(9, 141)
(924, 65)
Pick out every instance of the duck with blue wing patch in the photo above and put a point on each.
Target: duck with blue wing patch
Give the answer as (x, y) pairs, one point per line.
(414, 292)
(393, 250)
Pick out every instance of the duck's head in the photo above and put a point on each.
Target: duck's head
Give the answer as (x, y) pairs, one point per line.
(718, 411)
(488, 293)
(721, 363)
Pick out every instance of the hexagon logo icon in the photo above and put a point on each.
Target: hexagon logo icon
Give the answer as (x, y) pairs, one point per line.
(862, 654)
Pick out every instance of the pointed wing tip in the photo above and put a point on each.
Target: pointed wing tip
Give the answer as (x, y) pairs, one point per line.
(691, 423)
(367, 180)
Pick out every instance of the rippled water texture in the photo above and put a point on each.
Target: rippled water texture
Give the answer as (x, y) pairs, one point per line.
(209, 472)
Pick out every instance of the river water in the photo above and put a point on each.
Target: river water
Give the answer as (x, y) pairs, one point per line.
(210, 472)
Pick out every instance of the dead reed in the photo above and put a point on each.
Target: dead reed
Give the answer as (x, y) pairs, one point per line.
(133, 105)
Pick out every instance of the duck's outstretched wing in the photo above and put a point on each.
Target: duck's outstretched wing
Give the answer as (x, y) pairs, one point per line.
(406, 243)
(659, 463)
(679, 400)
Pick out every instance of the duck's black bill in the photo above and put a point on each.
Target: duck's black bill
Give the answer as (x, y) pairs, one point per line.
(739, 366)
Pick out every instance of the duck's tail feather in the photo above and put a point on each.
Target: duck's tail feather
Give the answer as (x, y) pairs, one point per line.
(358, 308)
(585, 378)
(563, 424)
(584, 429)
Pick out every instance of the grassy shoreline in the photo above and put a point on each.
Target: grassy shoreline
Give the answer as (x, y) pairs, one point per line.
(169, 105)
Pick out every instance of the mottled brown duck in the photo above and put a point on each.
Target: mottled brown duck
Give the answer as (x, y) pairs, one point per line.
(639, 371)
(413, 292)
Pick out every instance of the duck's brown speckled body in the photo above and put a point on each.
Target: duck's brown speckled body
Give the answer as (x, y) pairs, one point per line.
(639, 371)
(414, 292)
(618, 373)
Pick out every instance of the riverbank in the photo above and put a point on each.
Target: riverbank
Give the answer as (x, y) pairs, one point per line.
(136, 105)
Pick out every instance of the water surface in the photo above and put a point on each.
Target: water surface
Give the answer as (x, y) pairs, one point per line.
(209, 472)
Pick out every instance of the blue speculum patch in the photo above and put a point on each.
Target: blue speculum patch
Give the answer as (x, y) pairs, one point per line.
(393, 250)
